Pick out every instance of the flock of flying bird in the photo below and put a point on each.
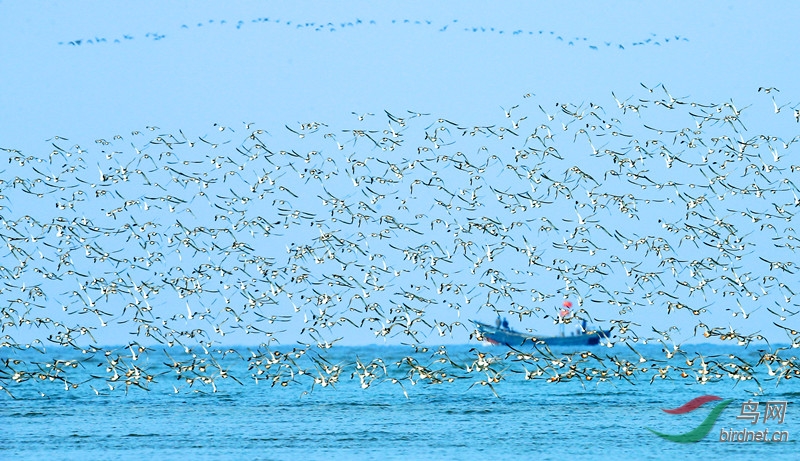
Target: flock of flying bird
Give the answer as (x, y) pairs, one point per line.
(423, 25)
(665, 218)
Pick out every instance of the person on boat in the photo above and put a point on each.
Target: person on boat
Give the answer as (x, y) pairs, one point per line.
(565, 309)
(564, 313)
(498, 322)
(505, 323)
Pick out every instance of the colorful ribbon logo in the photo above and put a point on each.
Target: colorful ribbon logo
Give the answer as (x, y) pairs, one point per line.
(696, 434)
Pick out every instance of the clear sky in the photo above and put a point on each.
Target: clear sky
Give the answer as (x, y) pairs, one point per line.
(272, 73)
(92, 70)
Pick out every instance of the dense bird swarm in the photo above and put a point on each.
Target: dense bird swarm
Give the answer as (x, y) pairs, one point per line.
(666, 219)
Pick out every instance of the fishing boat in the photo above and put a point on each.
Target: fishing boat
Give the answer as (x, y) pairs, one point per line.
(508, 337)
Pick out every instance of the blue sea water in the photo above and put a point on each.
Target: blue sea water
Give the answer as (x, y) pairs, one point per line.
(526, 419)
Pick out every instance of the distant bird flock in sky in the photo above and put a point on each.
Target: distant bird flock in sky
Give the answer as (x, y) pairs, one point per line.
(401, 227)
(409, 25)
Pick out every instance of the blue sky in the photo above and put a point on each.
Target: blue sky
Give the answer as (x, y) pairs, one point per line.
(92, 70)
(273, 73)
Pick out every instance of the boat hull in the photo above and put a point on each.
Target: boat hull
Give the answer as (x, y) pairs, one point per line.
(516, 339)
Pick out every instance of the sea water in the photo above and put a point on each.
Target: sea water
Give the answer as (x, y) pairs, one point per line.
(515, 419)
